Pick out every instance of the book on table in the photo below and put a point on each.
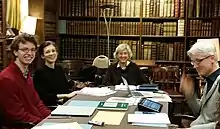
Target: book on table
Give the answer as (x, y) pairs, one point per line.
(113, 106)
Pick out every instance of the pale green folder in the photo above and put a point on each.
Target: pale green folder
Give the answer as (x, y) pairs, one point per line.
(83, 103)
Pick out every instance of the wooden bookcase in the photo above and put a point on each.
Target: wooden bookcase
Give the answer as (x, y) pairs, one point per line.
(155, 29)
(79, 27)
(51, 20)
(2, 34)
(139, 23)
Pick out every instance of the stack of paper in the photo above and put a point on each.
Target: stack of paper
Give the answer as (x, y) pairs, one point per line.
(83, 126)
(73, 125)
(154, 119)
(94, 91)
(124, 87)
(161, 98)
(73, 111)
(131, 101)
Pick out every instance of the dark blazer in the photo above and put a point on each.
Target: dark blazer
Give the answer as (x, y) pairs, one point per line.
(205, 108)
(50, 82)
(132, 74)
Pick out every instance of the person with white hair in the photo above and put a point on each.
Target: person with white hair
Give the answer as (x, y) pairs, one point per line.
(204, 59)
(123, 67)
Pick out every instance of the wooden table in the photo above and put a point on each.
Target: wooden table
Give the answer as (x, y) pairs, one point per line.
(83, 120)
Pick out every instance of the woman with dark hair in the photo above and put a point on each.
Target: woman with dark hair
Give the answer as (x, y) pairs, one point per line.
(50, 80)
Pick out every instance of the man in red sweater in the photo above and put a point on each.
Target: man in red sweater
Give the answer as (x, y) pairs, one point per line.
(18, 99)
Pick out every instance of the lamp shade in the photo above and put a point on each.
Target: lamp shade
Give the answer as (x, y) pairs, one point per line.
(29, 25)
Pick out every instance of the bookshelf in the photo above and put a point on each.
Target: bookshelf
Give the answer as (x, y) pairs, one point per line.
(140, 23)
(50, 20)
(2, 35)
(167, 27)
(203, 20)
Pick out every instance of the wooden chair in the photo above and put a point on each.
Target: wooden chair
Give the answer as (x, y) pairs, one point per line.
(168, 78)
(102, 63)
(72, 68)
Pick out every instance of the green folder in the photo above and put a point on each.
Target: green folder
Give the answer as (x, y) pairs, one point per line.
(113, 106)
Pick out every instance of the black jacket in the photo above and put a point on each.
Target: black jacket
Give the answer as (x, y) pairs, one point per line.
(50, 82)
(132, 74)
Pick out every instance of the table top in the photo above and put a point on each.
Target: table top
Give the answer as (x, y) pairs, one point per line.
(84, 120)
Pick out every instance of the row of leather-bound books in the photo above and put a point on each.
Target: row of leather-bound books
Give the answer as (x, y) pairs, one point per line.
(123, 8)
(81, 48)
(204, 28)
(121, 28)
(204, 8)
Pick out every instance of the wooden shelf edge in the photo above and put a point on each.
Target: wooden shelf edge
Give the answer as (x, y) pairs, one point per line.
(203, 36)
(172, 62)
(76, 17)
(204, 18)
(161, 36)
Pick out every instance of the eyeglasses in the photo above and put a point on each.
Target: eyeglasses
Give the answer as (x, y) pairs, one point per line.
(198, 61)
(26, 50)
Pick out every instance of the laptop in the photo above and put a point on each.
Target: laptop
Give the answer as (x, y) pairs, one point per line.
(131, 93)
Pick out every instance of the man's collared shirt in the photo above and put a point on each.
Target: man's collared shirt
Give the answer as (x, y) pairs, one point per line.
(211, 79)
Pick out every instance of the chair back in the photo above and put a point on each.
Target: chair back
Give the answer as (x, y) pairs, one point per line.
(101, 61)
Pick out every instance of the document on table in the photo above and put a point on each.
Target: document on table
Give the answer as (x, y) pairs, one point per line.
(73, 111)
(131, 100)
(109, 117)
(94, 91)
(124, 87)
(154, 118)
(73, 125)
(164, 98)
(83, 126)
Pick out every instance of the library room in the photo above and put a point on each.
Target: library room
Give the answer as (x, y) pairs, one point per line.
(91, 64)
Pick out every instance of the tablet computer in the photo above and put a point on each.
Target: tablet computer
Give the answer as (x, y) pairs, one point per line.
(149, 105)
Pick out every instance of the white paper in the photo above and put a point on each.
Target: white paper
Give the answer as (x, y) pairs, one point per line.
(130, 101)
(110, 104)
(73, 125)
(95, 91)
(161, 98)
(156, 118)
(73, 110)
(148, 94)
(124, 87)
(151, 125)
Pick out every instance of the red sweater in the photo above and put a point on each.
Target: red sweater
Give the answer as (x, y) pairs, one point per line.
(18, 98)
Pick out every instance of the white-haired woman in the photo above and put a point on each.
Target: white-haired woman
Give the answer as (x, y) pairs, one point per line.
(123, 67)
